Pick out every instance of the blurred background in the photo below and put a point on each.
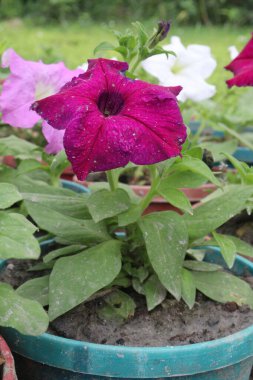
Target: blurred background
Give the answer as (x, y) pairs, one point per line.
(69, 30)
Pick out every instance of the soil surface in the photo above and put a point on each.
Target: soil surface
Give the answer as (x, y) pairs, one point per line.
(172, 323)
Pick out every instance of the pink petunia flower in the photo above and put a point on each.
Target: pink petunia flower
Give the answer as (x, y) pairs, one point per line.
(29, 81)
(110, 119)
(242, 67)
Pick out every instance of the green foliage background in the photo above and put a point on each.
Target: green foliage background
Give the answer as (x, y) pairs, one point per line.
(183, 11)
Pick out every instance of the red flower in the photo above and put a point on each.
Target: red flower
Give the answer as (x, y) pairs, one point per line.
(242, 67)
(110, 120)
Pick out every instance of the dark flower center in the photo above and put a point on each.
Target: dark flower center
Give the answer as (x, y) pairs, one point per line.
(110, 103)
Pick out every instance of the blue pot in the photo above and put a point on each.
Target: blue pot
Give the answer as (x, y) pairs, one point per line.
(49, 357)
(244, 154)
(241, 153)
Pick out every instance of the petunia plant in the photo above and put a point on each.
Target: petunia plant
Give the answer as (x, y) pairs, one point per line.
(105, 247)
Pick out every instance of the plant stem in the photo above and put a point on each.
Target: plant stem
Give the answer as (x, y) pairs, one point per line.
(111, 180)
(155, 180)
(135, 65)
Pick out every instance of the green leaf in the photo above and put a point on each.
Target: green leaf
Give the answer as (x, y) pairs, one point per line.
(214, 213)
(103, 46)
(95, 186)
(26, 316)
(183, 178)
(29, 165)
(242, 247)
(174, 196)
(130, 216)
(166, 240)
(73, 230)
(141, 272)
(16, 237)
(188, 288)
(227, 247)
(105, 204)
(8, 195)
(224, 287)
(74, 205)
(154, 291)
(18, 148)
(70, 249)
(201, 266)
(41, 266)
(199, 167)
(35, 289)
(59, 163)
(240, 166)
(74, 279)
(118, 305)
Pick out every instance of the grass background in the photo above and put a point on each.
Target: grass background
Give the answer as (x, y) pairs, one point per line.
(74, 44)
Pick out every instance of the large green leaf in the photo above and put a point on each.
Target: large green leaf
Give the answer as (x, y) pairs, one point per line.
(104, 203)
(16, 237)
(224, 287)
(35, 289)
(73, 230)
(74, 279)
(214, 213)
(166, 240)
(8, 195)
(74, 205)
(26, 316)
(18, 148)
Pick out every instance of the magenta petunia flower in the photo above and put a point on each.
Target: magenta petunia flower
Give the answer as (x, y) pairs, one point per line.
(242, 67)
(110, 119)
(29, 81)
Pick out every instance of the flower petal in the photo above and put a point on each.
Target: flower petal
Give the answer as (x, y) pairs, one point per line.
(53, 137)
(27, 81)
(242, 67)
(188, 69)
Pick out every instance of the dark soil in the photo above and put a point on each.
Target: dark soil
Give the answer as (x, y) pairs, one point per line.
(172, 323)
(240, 226)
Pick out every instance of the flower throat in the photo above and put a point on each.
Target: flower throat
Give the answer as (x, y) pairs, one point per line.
(110, 103)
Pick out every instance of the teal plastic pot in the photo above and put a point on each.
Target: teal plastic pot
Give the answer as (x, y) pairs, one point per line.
(49, 357)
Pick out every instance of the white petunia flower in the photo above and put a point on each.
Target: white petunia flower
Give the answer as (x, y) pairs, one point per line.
(190, 68)
(233, 52)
